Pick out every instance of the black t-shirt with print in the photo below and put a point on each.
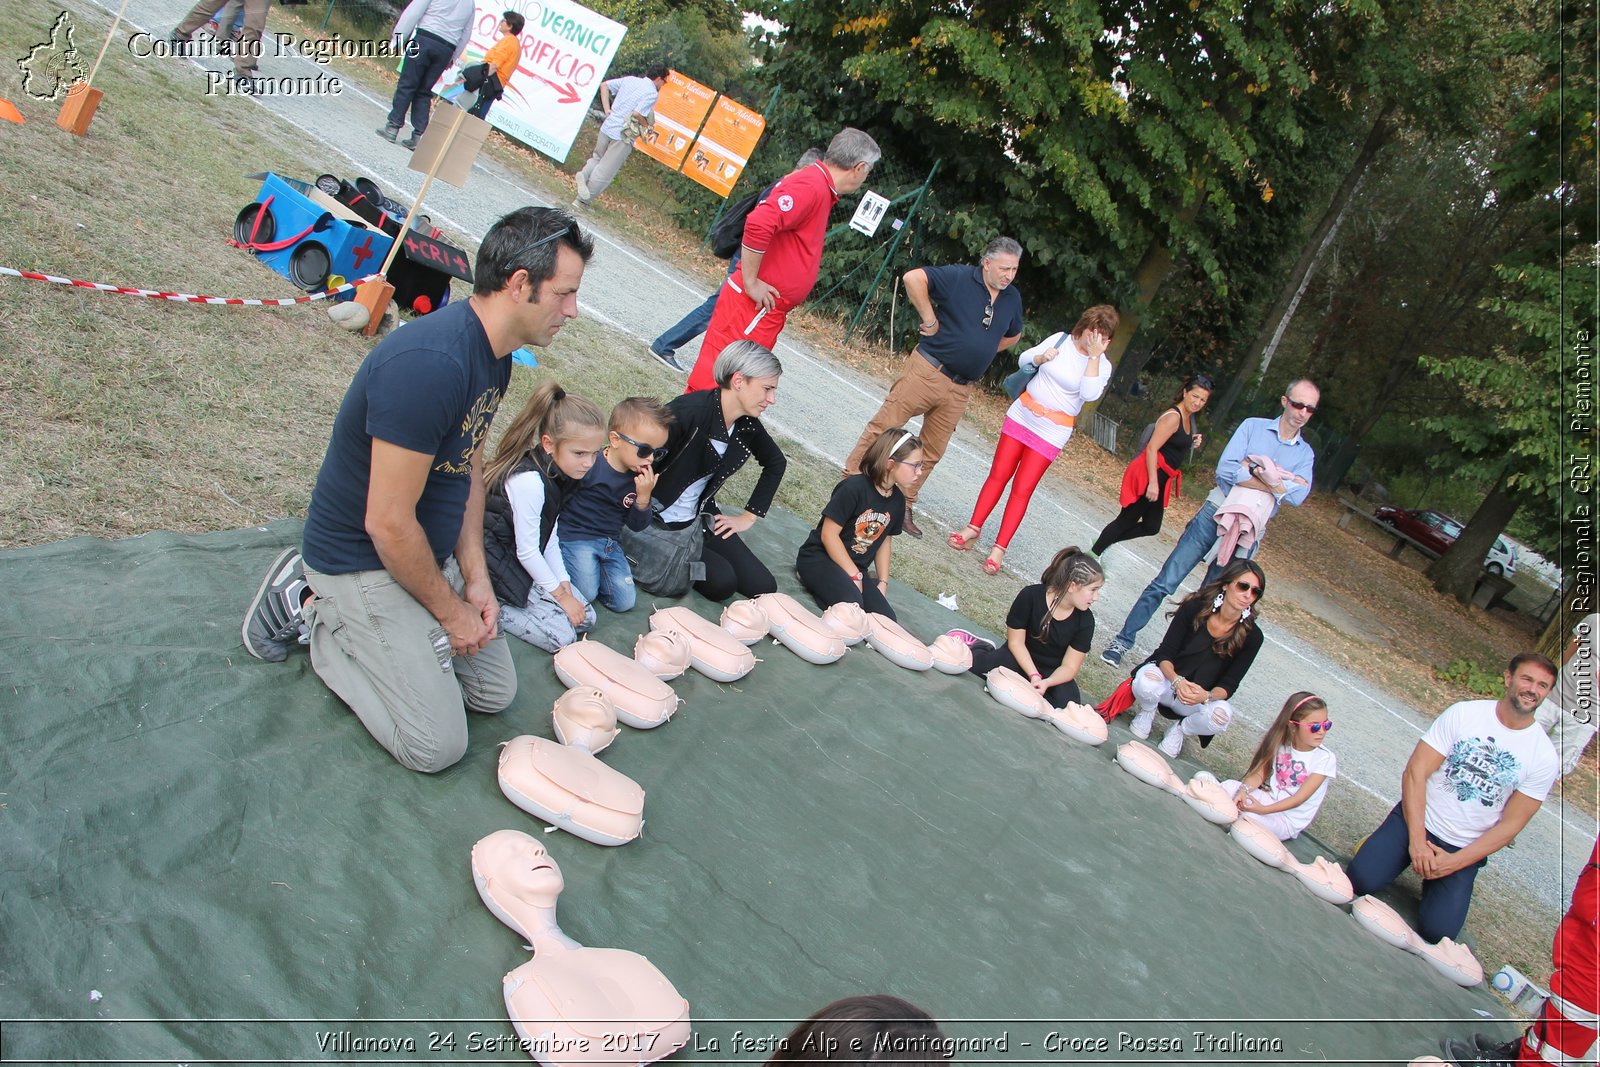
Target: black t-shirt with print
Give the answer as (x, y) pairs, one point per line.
(865, 517)
(1075, 631)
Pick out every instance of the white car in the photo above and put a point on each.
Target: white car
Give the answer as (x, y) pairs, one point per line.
(1502, 558)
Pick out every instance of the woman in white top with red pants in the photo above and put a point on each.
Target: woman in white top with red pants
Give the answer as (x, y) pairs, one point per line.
(1073, 371)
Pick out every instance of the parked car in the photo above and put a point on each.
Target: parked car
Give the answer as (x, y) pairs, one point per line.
(1436, 532)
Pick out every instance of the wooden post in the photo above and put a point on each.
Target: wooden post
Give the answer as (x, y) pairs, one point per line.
(375, 293)
(77, 111)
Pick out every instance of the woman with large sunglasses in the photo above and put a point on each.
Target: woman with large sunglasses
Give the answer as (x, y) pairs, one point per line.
(1206, 652)
(714, 432)
(1072, 371)
(1155, 475)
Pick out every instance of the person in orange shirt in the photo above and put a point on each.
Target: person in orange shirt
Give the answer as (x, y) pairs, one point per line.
(502, 59)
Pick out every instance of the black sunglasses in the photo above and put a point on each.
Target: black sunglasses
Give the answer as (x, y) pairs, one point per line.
(1204, 381)
(1247, 587)
(570, 228)
(1309, 409)
(655, 454)
(988, 315)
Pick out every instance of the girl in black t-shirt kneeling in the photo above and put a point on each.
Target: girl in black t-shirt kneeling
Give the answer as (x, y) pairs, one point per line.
(1049, 628)
(859, 525)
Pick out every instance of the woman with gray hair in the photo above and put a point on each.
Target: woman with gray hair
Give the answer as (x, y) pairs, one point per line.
(712, 434)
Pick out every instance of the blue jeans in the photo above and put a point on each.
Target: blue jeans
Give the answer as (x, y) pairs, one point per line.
(1192, 546)
(693, 324)
(1387, 852)
(599, 571)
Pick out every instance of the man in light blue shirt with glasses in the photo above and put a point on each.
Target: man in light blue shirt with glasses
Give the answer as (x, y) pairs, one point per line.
(1277, 439)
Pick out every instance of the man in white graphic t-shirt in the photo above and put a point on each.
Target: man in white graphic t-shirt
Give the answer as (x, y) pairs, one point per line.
(1471, 785)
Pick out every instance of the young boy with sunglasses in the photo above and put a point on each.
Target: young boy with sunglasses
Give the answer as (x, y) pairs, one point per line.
(613, 492)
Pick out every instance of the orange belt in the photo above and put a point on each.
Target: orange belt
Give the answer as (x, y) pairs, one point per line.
(1060, 418)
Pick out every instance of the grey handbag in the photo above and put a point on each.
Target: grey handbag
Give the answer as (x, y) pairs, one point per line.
(665, 562)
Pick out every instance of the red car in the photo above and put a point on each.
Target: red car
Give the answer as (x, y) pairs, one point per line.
(1437, 532)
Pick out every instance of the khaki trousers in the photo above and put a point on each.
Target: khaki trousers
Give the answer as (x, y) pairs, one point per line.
(248, 57)
(376, 647)
(920, 390)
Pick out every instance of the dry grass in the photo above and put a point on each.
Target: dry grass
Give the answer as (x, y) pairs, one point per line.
(126, 414)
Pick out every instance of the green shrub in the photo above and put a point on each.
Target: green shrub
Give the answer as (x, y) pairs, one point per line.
(1470, 676)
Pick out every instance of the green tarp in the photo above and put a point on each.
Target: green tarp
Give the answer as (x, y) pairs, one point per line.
(213, 843)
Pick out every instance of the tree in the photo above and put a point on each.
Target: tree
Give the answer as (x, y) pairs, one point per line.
(1510, 432)
(1111, 150)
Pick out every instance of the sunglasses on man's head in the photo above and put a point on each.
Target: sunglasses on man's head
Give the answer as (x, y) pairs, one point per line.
(1325, 726)
(654, 453)
(1309, 409)
(569, 228)
(1246, 586)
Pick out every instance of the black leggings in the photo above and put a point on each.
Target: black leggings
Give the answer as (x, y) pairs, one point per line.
(1142, 518)
(985, 660)
(829, 585)
(732, 568)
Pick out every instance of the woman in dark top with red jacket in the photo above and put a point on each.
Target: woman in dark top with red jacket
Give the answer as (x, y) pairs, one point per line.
(1207, 650)
(1154, 478)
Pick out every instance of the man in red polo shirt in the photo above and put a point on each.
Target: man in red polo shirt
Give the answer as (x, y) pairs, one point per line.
(782, 251)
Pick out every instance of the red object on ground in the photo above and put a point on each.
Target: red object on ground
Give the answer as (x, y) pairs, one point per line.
(9, 112)
(422, 305)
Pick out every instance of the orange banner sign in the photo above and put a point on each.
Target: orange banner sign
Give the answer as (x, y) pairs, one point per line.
(724, 146)
(680, 109)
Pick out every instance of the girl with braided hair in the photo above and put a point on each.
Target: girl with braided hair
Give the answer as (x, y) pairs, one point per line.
(1048, 629)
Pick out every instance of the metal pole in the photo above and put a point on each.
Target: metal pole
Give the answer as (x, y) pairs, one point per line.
(326, 15)
(893, 245)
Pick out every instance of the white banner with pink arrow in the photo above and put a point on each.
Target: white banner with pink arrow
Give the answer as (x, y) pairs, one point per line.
(566, 51)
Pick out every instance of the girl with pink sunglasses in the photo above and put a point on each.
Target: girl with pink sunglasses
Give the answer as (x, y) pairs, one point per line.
(1289, 774)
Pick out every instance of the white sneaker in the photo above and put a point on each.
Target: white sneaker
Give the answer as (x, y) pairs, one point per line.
(1172, 744)
(1142, 722)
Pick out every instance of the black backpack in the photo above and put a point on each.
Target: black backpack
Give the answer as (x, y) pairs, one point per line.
(728, 234)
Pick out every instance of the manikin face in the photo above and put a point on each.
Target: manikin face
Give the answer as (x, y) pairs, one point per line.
(522, 863)
(1527, 689)
(905, 472)
(574, 456)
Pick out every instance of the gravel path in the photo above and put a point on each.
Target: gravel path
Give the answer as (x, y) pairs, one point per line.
(826, 405)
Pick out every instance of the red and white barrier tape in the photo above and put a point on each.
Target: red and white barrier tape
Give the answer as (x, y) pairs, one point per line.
(186, 298)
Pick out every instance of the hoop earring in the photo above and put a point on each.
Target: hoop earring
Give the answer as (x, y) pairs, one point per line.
(1216, 602)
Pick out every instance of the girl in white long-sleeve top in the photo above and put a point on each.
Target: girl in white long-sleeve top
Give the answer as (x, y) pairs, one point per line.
(1072, 372)
(545, 453)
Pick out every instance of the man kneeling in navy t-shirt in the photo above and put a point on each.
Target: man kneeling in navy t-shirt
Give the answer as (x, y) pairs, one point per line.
(393, 591)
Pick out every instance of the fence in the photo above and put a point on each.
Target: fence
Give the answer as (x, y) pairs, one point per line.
(360, 20)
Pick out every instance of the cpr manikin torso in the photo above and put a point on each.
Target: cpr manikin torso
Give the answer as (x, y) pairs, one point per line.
(564, 784)
(1450, 958)
(570, 1004)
